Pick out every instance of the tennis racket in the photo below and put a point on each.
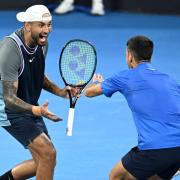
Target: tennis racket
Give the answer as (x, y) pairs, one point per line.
(77, 65)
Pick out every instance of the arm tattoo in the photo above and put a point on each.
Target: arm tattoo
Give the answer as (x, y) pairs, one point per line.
(49, 86)
(11, 99)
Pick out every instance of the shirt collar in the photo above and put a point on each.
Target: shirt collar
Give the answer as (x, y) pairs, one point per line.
(144, 65)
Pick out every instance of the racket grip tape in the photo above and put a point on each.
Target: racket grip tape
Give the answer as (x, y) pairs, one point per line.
(70, 122)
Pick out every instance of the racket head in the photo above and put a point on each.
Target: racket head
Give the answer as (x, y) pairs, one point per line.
(77, 63)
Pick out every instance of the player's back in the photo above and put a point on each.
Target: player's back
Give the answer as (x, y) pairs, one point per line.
(154, 99)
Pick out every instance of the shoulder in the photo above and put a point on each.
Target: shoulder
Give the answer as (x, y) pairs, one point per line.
(9, 51)
(8, 44)
(121, 74)
(118, 78)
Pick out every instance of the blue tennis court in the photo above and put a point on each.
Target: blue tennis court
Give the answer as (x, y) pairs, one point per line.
(103, 128)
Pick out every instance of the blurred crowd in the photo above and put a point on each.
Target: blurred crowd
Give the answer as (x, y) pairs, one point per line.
(66, 6)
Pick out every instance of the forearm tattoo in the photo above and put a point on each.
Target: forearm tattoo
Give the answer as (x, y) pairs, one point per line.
(53, 88)
(11, 99)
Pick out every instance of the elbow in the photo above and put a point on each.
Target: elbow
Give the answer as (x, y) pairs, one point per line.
(8, 102)
(93, 91)
(88, 93)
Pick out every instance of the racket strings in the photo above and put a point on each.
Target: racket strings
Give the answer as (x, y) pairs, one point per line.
(78, 62)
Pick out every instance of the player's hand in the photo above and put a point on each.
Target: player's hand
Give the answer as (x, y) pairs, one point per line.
(48, 114)
(43, 111)
(74, 91)
(97, 78)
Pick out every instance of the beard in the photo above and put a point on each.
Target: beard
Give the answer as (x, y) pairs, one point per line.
(39, 39)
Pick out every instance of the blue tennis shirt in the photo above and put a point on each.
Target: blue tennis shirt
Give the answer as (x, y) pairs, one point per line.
(154, 99)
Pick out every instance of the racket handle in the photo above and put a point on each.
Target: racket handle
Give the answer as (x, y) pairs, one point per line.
(70, 122)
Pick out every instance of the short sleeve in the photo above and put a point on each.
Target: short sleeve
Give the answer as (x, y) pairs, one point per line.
(115, 83)
(10, 59)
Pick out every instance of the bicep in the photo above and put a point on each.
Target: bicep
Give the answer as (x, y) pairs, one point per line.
(9, 60)
(47, 84)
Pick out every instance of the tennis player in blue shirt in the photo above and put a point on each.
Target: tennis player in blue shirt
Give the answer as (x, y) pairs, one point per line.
(154, 99)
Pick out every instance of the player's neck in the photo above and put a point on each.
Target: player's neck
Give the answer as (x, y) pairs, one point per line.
(133, 63)
(136, 63)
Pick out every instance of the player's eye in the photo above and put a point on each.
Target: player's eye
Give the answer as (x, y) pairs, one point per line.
(40, 25)
(49, 25)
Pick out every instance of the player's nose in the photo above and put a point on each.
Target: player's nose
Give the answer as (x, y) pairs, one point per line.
(46, 29)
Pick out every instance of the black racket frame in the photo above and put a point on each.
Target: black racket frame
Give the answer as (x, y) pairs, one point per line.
(80, 87)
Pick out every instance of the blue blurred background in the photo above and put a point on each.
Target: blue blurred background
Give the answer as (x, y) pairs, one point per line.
(103, 128)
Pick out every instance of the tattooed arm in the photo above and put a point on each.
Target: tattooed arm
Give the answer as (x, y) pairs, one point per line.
(12, 101)
(20, 106)
(10, 63)
(51, 87)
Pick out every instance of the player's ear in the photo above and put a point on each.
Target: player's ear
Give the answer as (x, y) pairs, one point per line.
(130, 56)
(27, 26)
(131, 59)
(127, 54)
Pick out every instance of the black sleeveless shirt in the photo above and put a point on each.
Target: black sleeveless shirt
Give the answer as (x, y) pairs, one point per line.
(31, 73)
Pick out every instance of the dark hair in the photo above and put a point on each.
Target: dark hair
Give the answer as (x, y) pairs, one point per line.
(141, 47)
